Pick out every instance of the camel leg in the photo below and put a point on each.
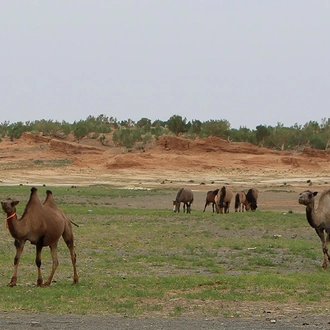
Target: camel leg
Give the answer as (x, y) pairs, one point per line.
(69, 241)
(205, 206)
(226, 207)
(320, 233)
(53, 252)
(325, 254)
(38, 263)
(325, 249)
(70, 244)
(19, 250)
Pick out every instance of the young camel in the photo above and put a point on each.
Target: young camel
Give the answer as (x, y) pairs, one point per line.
(240, 199)
(319, 218)
(42, 225)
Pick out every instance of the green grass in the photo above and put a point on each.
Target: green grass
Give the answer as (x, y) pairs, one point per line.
(142, 261)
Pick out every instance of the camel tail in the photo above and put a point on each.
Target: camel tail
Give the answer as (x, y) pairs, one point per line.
(74, 223)
(236, 201)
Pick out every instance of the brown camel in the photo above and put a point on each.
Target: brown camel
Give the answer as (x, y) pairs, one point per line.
(42, 225)
(210, 196)
(185, 196)
(319, 218)
(240, 199)
(223, 199)
(251, 199)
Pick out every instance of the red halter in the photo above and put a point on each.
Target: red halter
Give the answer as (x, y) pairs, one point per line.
(11, 216)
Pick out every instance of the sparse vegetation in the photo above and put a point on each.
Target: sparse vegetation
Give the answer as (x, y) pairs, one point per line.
(127, 133)
(136, 262)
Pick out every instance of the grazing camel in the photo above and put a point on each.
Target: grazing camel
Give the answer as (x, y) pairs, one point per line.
(210, 196)
(42, 225)
(240, 199)
(223, 199)
(184, 196)
(318, 218)
(251, 199)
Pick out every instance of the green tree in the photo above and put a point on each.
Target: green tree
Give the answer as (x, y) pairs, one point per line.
(243, 134)
(127, 137)
(16, 130)
(316, 142)
(278, 137)
(261, 133)
(80, 131)
(158, 122)
(177, 125)
(219, 128)
(325, 131)
(143, 122)
(4, 128)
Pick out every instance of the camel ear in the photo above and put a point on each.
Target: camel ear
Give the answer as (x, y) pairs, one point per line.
(314, 193)
(14, 203)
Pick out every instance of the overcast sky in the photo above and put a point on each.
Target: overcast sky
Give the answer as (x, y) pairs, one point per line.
(249, 62)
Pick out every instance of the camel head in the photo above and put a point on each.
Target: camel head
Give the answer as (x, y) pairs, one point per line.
(307, 197)
(9, 206)
(176, 205)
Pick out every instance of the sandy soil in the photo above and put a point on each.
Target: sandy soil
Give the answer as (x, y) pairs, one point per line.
(171, 162)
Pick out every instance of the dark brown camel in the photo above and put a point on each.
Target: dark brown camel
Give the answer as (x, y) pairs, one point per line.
(318, 218)
(210, 196)
(251, 199)
(42, 225)
(223, 199)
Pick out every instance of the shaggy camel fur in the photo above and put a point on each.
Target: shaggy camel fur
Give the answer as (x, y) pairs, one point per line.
(251, 199)
(42, 225)
(319, 218)
(223, 199)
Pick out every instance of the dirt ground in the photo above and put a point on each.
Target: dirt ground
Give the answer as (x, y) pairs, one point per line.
(172, 162)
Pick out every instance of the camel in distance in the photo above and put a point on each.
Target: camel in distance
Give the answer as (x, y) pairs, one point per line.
(42, 224)
(318, 218)
(210, 198)
(223, 199)
(184, 196)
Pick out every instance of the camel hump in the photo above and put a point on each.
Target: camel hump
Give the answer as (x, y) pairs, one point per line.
(49, 200)
(34, 195)
(33, 190)
(179, 194)
(325, 192)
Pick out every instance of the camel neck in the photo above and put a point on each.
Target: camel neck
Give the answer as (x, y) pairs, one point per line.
(311, 217)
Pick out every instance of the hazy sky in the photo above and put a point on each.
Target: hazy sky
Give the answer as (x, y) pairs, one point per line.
(249, 62)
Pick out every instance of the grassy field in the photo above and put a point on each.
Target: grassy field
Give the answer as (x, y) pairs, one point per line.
(153, 262)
